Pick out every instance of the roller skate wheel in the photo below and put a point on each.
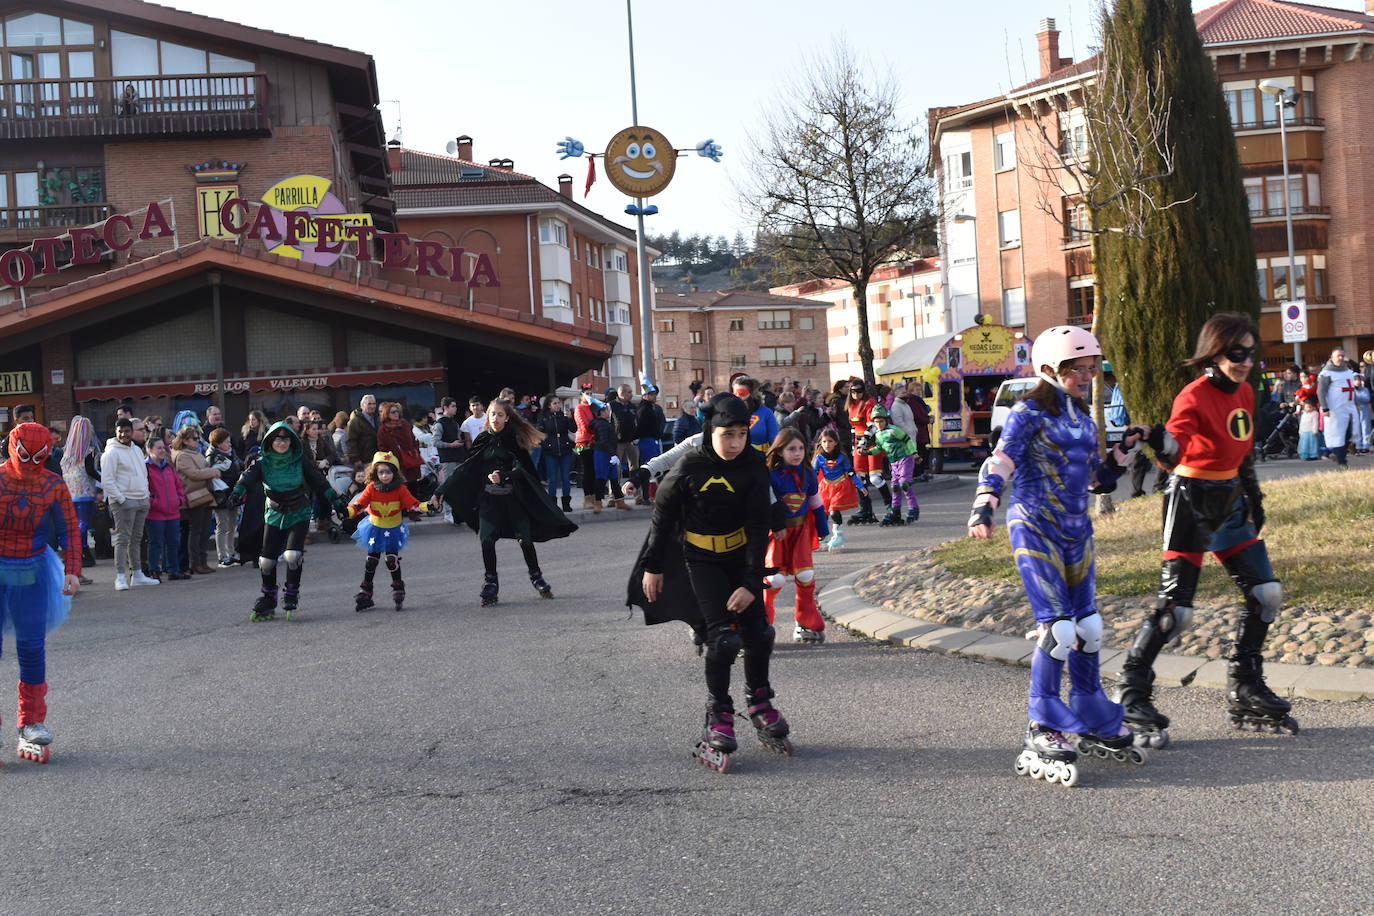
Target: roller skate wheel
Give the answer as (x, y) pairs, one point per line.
(1037, 768)
(711, 758)
(1068, 775)
(1101, 751)
(27, 750)
(1289, 725)
(1159, 739)
(1052, 771)
(1022, 763)
(1137, 755)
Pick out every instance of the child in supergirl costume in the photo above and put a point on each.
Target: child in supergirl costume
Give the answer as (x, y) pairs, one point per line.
(497, 493)
(703, 563)
(383, 533)
(789, 550)
(839, 484)
(35, 586)
(288, 484)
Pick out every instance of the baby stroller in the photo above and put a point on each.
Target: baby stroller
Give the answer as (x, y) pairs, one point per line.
(340, 478)
(1282, 441)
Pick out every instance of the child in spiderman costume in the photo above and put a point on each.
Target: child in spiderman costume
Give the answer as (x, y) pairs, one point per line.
(383, 533)
(839, 484)
(35, 586)
(803, 519)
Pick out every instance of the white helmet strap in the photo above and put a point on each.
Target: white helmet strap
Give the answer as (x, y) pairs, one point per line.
(1054, 380)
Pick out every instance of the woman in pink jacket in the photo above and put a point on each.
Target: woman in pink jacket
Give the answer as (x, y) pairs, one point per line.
(166, 496)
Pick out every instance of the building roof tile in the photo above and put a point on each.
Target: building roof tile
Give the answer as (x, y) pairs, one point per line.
(1268, 20)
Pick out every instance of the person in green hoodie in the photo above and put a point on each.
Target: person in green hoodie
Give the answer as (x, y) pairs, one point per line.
(289, 484)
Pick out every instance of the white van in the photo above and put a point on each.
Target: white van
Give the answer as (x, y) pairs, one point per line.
(1013, 390)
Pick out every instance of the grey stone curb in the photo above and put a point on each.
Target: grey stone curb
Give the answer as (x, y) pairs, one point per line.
(842, 604)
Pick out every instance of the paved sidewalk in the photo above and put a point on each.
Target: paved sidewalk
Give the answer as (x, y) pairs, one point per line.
(842, 604)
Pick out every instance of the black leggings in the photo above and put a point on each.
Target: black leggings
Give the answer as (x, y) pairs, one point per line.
(712, 584)
(526, 547)
(586, 465)
(276, 541)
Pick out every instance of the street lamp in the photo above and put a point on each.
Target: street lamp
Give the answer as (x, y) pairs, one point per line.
(1286, 99)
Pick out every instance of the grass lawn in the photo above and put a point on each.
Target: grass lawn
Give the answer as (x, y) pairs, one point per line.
(1319, 530)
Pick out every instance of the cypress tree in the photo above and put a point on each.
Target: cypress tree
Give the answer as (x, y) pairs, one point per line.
(1195, 258)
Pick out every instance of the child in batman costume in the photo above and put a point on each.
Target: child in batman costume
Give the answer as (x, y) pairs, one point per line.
(703, 563)
(496, 492)
(385, 499)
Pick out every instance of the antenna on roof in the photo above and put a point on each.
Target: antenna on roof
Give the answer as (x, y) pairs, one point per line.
(396, 135)
(451, 147)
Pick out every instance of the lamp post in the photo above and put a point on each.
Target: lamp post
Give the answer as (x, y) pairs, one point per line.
(1286, 100)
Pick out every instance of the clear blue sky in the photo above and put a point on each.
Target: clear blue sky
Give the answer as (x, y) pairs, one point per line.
(519, 75)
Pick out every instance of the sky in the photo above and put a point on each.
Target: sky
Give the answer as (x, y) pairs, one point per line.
(520, 75)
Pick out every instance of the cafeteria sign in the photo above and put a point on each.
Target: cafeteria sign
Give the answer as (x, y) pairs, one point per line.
(308, 194)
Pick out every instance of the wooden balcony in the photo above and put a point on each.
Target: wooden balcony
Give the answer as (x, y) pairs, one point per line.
(135, 106)
(24, 224)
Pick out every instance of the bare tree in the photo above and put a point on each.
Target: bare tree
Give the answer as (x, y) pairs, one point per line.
(838, 181)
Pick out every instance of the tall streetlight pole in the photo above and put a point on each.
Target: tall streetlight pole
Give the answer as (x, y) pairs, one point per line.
(646, 320)
(1285, 100)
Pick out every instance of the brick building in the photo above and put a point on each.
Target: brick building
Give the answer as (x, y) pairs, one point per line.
(712, 337)
(557, 259)
(1006, 257)
(905, 303)
(194, 210)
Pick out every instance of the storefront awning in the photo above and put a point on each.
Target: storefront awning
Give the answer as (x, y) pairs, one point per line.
(364, 377)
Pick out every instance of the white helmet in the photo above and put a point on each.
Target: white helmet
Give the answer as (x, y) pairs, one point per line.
(1060, 344)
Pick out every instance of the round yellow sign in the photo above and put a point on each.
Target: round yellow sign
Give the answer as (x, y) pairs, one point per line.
(640, 161)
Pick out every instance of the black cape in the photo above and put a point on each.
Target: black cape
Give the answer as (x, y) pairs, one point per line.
(463, 489)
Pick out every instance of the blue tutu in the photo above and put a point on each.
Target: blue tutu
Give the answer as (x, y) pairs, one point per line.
(32, 587)
(372, 539)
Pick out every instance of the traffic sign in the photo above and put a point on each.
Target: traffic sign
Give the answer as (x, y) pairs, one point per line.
(1294, 316)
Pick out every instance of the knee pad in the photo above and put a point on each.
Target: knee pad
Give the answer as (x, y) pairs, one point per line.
(806, 577)
(1172, 619)
(294, 558)
(1058, 638)
(1269, 597)
(393, 562)
(1089, 631)
(875, 479)
(776, 581)
(724, 647)
(267, 565)
(372, 561)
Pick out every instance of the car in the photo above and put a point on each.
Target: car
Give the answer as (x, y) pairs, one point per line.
(1013, 390)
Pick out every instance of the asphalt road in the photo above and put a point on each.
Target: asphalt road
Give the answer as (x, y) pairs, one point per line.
(533, 757)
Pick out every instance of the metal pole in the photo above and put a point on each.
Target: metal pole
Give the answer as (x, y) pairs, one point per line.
(1282, 101)
(646, 318)
(219, 345)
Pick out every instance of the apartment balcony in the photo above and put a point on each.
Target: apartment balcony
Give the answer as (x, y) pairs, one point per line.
(1079, 321)
(1299, 212)
(775, 325)
(1273, 124)
(24, 224)
(140, 106)
(771, 363)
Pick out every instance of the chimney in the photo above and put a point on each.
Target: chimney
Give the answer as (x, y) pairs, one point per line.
(393, 155)
(1048, 39)
(465, 148)
(565, 185)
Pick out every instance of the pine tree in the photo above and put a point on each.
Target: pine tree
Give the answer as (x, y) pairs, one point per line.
(1195, 258)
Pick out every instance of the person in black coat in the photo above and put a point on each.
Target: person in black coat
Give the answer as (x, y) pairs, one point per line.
(556, 451)
(496, 493)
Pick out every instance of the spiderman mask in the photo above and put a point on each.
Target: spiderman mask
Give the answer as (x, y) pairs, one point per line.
(29, 446)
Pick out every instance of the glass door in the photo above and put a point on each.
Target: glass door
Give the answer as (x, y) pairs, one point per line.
(23, 67)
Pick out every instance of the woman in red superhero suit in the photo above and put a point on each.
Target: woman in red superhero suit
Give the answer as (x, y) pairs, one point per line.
(35, 586)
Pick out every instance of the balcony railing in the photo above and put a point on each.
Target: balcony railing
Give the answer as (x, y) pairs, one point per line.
(775, 362)
(134, 106)
(1299, 210)
(34, 221)
(774, 325)
(1273, 124)
(1080, 321)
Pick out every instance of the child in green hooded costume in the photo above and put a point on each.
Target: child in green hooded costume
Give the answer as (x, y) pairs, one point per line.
(289, 484)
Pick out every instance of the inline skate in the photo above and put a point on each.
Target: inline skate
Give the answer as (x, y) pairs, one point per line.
(491, 590)
(265, 608)
(913, 514)
(1252, 704)
(771, 727)
(540, 586)
(836, 542)
(363, 600)
(33, 742)
(718, 740)
(1047, 755)
(802, 634)
(1149, 725)
(893, 518)
(290, 598)
(398, 594)
(1119, 748)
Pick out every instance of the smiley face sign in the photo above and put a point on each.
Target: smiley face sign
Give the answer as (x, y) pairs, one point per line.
(640, 161)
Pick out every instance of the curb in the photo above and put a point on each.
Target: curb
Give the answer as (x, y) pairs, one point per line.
(842, 604)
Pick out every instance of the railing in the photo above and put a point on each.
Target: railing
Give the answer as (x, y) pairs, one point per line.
(775, 362)
(774, 325)
(1310, 300)
(134, 105)
(1273, 123)
(1300, 210)
(50, 217)
(1079, 321)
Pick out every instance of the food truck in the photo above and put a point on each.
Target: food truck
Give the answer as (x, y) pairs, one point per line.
(959, 377)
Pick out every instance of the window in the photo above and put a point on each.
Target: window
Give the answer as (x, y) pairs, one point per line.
(1004, 150)
(959, 171)
(1265, 194)
(1009, 228)
(694, 337)
(698, 375)
(775, 356)
(736, 324)
(806, 323)
(617, 261)
(594, 256)
(1082, 301)
(1250, 108)
(1013, 307)
(31, 30)
(666, 325)
(775, 321)
(553, 232)
(577, 297)
(576, 249)
(808, 359)
(738, 361)
(1076, 222)
(672, 404)
(1073, 134)
(669, 364)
